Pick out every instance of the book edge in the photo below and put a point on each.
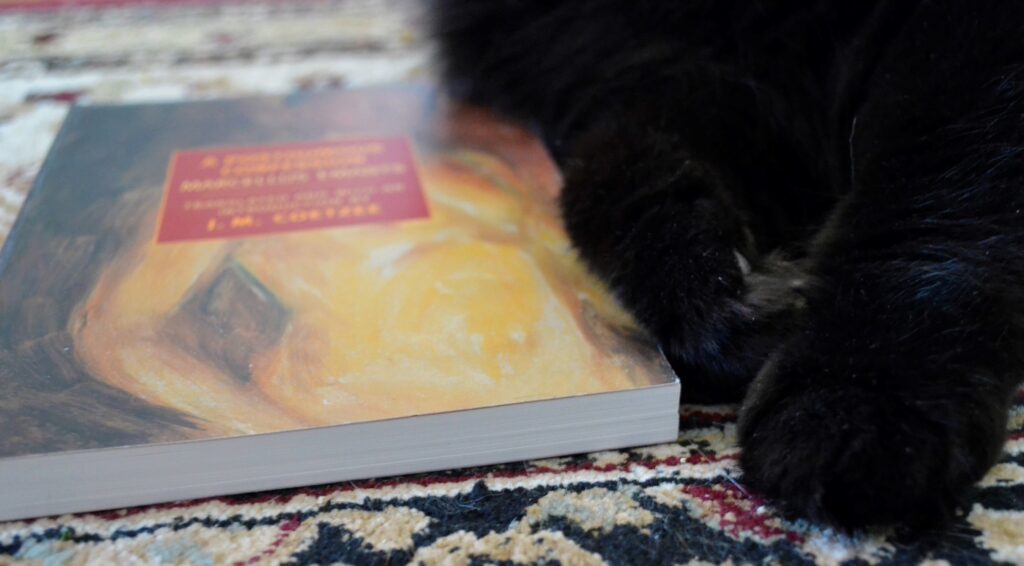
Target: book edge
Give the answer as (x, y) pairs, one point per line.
(89, 480)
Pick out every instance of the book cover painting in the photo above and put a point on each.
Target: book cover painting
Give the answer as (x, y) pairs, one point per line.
(212, 269)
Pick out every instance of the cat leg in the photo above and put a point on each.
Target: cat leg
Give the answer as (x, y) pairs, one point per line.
(656, 222)
(891, 399)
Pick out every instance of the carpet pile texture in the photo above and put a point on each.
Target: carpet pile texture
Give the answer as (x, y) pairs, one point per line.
(680, 503)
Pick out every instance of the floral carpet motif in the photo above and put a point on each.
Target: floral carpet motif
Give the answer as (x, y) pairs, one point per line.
(681, 503)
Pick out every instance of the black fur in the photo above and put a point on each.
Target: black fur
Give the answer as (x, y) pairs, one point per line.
(865, 159)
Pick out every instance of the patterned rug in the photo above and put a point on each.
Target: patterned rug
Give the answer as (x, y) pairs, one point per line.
(676, 503)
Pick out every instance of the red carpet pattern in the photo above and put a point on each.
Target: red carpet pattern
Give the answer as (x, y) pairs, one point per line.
(676, 503)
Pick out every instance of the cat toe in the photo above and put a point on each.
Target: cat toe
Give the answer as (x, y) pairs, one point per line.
(717, 352)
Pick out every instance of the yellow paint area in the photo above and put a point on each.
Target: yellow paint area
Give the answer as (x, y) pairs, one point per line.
(484, 303)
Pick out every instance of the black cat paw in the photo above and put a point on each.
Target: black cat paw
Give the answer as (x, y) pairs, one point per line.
(859, 450)
(659, 224)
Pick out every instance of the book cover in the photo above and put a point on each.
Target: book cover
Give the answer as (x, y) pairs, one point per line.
(225, 268)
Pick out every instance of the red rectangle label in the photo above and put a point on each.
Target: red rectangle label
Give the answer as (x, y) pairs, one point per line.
(252, 191)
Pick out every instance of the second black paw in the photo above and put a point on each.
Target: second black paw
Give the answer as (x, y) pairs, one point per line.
(871, 449)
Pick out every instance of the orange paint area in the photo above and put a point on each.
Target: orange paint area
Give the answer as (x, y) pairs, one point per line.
(483, 303)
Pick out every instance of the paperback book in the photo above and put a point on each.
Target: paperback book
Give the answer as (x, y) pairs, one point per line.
(215, 297)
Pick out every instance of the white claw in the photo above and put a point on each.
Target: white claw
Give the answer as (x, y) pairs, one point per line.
(742, 261)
